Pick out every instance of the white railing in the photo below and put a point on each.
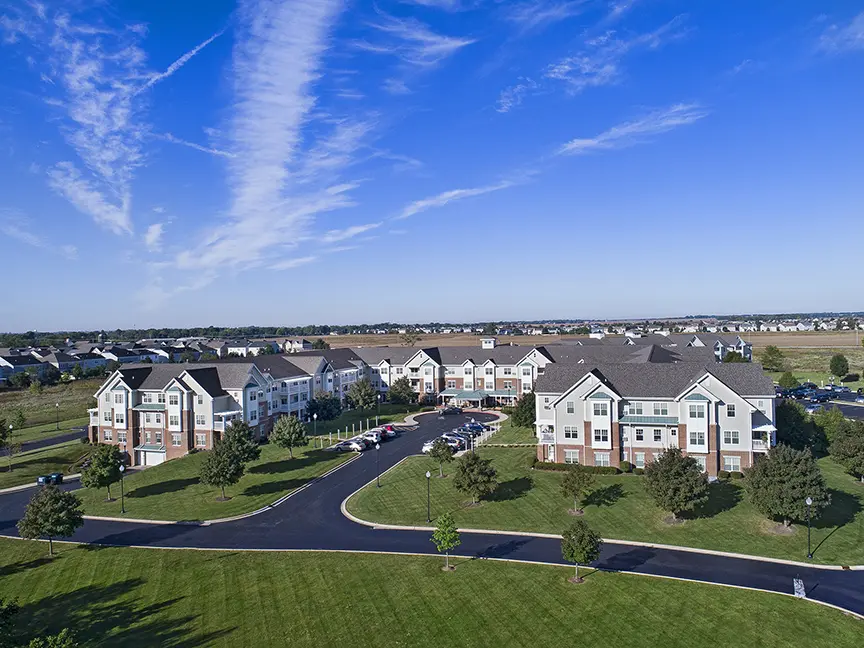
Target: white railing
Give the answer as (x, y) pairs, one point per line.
(760, 445)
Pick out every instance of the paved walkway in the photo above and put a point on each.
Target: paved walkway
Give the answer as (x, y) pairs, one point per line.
(312, 520)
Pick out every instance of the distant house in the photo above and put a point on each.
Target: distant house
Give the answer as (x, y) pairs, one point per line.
(19, 364)
(90, 361)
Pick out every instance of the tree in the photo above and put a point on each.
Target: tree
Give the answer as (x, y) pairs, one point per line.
(475, 476)
(401, 392)
(52, 513)
(442, 453)
(19, 419)
(325, 405)
(576, 485)
(208, 357)
(830, 424)
(320, 344)
(289, 432)
(187, 356)
(523, 412)
(788, 381)
(36, 386)
(779, 483)
(267, 349)
(5, 439)
(839, 365)
(410, 338)
(12, 449)
(20, 380)
(64, 639)
(796, 429)
(490, 329)
(8, 611)
(77, 371)
(446, 537)
(221, 467)
(362, 395)
(104, 468)
(773, 359)
(239, 441)
(111, 366)
(675, 482)
(733, 356)
(848, 449)
(580, 545)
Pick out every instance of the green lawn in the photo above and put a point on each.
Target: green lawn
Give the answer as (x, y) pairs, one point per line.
(171, 491)
(150, 597)
(813, 365)
(388, 414)
(74, 398)
(48, 430)
(64, 457)
(531, 500)
(510, 433)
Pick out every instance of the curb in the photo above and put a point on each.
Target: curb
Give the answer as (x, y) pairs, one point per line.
(15, 489)
(554, 536)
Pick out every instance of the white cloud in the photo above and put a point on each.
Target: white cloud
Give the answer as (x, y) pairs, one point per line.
(293, 263)
(395, 87)
(513, 96)
(180, 62)
(15, 225)
(844, 38)
(618, 8)
(414, 42)
(638, 130)
(67, 180)
(535, 15)
(335, 236)
(168, 137)
(159, 209)
(153, 236)
(446, 5)
(449, 196)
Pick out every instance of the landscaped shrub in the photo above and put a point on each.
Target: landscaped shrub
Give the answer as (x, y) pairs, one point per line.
(723, 474)
(638, 471)
(736, 474)
(532, 461)
(597, 470)
(427, 408)
(84, 440)
(508, 410)
(626, 466)
(851, 378)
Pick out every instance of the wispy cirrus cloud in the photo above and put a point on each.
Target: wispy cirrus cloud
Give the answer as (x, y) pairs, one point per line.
(512, 97)
(168, 137)
(447, 197)
(335, 236)
(536, 15)
(638, 130)
(844, 38)
(153, 236)
(180, 62)
(296, 262)
(446, 5)
(15, 225)
(413, 42)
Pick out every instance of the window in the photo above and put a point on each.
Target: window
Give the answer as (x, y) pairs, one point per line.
(571, 456)
(160, 398)
(148, 437)
(639, 459)
(508, 371)
(730, 410)
(601, 409)
(106, 416)
(526, 371)
(174, 420)
(107, 435)
(147, 398)
(451, 384)
(304, 397)
(147, 417)
(118, 398)
(697, 411)
(200, 419)
(601, 435)
(571, 432)
(640, 434)
(383, 371)
(201, 398)
(173, 399)
(253, 396)
(490, 371)
(158, 438)
(658, 436)
(701, 462)
(635, 409)
(121, 437)
(399, 371)
(732, 464)
(490, 386)
(284, 400)
(200, 440)
(526, 387)
(571, 407)
(508, 384)
(158, 418)
(449, 371)
(107, 397)
(661, 409)
(601, 459)
(119, 418)
(175, 440)
(731, 436)
(427, 371)
(545, 400)
(697, 438)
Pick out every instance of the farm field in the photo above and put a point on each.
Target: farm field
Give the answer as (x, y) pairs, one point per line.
(74, 398)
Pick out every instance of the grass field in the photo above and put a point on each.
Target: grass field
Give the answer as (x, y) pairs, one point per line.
(510, 433)
(74, 399)
(64, 457)
(388, 414)
(47, 430)
(531, 500)
(171, 491)
(813, 364)
(147, 597)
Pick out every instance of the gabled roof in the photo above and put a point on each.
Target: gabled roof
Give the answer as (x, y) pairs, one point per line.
(22, 360)
(208, 378)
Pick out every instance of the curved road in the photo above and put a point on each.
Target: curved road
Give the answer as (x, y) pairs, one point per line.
(312, 520)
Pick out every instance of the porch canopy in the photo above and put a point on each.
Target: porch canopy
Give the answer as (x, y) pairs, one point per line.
(464, 395)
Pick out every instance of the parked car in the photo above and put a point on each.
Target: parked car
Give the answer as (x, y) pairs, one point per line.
(427, 447)
(466, 431)
(809, 385)
(451, 410)
(474, 425)
(859, 399)
(812, 408)
(455, 442)
(54, 479)
(842, 389)
(821, 397)
(386, 431)
(860, 391)
(374, 436)
(354, 445)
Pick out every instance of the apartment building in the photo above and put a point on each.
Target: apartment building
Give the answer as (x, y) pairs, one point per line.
(602, 414)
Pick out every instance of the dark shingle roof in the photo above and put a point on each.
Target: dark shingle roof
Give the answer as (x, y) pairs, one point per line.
(208, 378)
(22, 360)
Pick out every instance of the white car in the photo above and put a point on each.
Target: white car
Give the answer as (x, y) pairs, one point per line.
(812, 408)
(372, 435)
(427, 447)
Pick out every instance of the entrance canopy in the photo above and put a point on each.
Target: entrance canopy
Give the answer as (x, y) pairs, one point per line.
(464, 394)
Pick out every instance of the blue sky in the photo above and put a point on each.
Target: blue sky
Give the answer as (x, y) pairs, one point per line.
(308, 161)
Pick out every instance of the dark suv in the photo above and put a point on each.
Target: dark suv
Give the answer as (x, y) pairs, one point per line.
(451, 410)
(54, 479)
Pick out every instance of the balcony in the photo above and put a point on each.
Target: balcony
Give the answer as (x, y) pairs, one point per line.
(761, 445)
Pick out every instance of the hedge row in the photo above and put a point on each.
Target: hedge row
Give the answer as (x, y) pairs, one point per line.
(562, 467)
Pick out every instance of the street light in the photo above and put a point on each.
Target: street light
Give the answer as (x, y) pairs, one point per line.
(428, 510)
(378, 465)
(315, 427)
(809, 503)
(377, 407)
(57, 414)
(122, 502)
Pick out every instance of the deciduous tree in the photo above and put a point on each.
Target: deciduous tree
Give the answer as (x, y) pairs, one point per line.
(51, 513)
(63, 639)
(401, 392)
(779, 483)
(289, 432)
(325, 405)
(8, 611)
(773, 359)
(104, 468)
(239, 442)
(847, 448)
(410, 338)
(320, 344)
(221, 468)
(576, 485)
(580, 545)
(734, 356)
(675, 482)
(839, 365)
(788, 380)
(362, 395)
(446, 537)
(442, 453)
(475, 476)
(18, 420)
(796, 429)
(523, 412)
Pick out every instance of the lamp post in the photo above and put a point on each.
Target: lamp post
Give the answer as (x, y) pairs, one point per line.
(315, 427)
(428, 509)
(122, 501)
(378, 465)
(809, 503)
(377, 407)
(57, 415)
